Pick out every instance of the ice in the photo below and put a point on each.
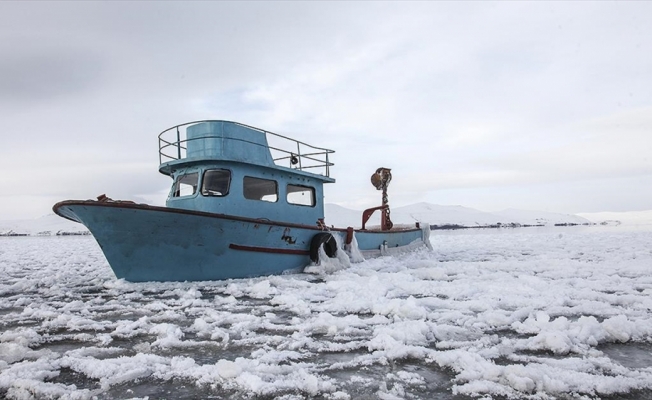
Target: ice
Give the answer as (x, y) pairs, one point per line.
(227, 369)
(168, 335)
(353, 251)
(525, 313)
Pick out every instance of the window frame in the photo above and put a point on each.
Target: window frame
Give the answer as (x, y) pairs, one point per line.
(311, 190)
(176, 189)
(203, 180)
(244, 189)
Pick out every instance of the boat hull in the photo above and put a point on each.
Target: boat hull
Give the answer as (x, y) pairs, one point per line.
(147, 243)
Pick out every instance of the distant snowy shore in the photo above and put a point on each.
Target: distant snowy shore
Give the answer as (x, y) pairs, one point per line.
(453, 217)
(626, 218)
(47, 225)
(438, 216)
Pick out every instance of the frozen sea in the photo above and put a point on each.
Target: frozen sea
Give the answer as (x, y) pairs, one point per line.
(557, 313)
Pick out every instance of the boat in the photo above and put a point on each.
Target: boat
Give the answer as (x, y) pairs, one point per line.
(243, 202)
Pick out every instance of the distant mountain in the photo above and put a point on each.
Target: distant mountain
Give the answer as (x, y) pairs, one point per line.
(451, 216)
(539, 217)
(443, 215)
(342, 217)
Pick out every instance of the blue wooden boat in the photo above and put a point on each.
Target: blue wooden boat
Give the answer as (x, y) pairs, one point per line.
(244, 202)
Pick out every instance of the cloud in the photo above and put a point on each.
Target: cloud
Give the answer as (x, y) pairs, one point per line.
(612, 146)
(45, 75)
(473, 97)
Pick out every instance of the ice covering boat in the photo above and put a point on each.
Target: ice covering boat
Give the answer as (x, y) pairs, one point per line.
(244, 202)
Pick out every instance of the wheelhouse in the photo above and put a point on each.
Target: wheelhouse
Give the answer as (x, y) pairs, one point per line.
(228, 168)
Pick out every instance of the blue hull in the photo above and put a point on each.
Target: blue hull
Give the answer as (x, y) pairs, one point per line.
(146, 243)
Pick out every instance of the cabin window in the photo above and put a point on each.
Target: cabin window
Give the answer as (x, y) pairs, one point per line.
(301, 195)
(216, 182)
(186, 185)
(260, 189)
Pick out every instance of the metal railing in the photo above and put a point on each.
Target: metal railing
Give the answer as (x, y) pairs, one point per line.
(173, 142)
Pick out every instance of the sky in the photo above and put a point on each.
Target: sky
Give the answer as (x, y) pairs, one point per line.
(491, 105)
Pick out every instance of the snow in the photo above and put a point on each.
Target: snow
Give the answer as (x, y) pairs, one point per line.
(530, 313)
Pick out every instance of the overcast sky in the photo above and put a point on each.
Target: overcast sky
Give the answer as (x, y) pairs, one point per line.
(531, 105)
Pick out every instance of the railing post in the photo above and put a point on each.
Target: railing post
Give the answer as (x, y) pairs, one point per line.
(299, 155)
(178, 144)
(327, 165)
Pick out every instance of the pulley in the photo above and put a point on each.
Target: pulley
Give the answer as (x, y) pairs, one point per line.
(381, 178)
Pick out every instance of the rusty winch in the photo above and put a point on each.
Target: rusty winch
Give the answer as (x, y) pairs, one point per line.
(380, 179)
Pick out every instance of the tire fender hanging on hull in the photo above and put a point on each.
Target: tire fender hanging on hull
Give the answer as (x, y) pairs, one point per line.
(326, 239)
